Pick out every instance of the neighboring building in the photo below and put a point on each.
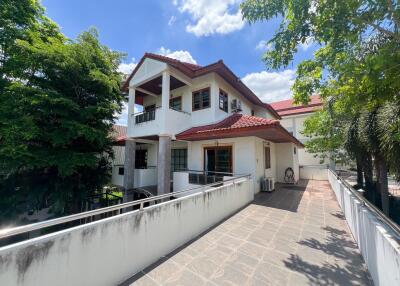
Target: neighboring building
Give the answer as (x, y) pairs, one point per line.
(200, 124)
(293, 117)
(119, 134)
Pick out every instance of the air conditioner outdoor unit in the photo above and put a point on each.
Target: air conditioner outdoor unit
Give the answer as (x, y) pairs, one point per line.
(267, 184)
(236, 105)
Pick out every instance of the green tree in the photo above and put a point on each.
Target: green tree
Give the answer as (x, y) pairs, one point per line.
(357, 64)
(58, 102)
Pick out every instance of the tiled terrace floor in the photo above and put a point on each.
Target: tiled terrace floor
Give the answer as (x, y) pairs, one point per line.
(293, 236)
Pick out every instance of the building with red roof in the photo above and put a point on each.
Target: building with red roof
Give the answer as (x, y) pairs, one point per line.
(293, 118)
(200, 123)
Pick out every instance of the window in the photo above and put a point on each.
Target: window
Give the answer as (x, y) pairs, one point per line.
(223, 100)
(218, 160)
(252, 112)
(201, 99)
(267, 157)
(295, 150)
(175, 103)
(141, 159)
(178, 159)
(121, 171)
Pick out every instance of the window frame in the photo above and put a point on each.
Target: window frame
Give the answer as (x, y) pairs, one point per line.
(225, 100)
(173, 99)
(180, 154)
(201, 101)
(267, 157)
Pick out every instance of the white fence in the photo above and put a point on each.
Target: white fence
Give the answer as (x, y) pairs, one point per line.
(314, 172)
(378, 243)
(109, 251)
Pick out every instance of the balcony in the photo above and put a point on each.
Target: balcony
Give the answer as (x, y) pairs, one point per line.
(310, 234)
(155, 121)
(145, 116)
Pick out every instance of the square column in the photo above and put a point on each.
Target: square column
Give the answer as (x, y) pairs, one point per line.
(131, 106)
(129, 167)
(165, 93)
(164, 165)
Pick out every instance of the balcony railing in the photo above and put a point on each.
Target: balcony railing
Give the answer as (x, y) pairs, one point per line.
(145, 116)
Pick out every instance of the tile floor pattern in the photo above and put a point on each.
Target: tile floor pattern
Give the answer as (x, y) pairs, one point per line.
(293, 236)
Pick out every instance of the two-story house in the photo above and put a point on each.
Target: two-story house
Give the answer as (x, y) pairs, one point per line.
(200, 120)
(293, 118)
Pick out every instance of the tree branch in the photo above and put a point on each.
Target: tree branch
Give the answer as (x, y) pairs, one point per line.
(392, 11)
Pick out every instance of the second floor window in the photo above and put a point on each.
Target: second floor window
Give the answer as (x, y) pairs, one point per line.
(201, 99)
(223, 100)
(175, 103)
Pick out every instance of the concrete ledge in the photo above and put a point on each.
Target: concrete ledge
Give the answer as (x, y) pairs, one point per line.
(109, 251)
(378, 243)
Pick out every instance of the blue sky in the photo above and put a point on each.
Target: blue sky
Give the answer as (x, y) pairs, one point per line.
(203, 31)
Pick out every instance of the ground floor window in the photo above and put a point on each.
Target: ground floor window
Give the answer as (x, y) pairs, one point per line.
(218, 160)
(267, 156)
(141, 159)
(178, 159)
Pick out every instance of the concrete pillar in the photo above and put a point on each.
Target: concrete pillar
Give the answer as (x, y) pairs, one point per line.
(129, 166)
(131, 107)
(165, 94)
(164, 165)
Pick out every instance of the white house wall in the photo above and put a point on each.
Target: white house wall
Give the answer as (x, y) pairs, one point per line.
(261, 172)
(147, 70)
(179, 121)
(247, 153)
(286, 158)
(295, 124)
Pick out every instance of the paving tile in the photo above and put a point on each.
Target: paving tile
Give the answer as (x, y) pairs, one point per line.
(184, 278)
(165, 271)
(270, 273)
(230, 276)
(288, 237)
(252, 250)
(242, 262)
(203, 266)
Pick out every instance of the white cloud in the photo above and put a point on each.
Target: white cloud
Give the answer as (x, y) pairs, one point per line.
(211, 16)
(264, 46)
(171, 20)
(127, 68)
(181, 55)
(122, 118)
(271, 86)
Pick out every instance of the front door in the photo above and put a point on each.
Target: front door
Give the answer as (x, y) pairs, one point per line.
(218, 160)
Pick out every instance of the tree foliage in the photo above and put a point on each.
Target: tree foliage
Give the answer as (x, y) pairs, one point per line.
(58, 100)
(357, 66)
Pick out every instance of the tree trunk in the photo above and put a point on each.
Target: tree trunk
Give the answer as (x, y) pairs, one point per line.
(382, 181)
(360, 178)
(369, 177)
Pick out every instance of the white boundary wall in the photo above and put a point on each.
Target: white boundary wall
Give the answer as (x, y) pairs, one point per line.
(314, 172)
(378, 244)
(109, 251)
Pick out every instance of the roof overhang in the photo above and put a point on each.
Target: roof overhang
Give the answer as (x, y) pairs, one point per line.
(193, 71)
(273, 133)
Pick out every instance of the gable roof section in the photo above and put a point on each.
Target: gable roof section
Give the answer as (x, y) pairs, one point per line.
(239, 125)
(192, 71)
(119, 134)
(287, 107)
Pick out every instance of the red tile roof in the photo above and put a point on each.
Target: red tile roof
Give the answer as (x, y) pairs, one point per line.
(239, 125)
(119, 134)
(287, 107)
(192, 71)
